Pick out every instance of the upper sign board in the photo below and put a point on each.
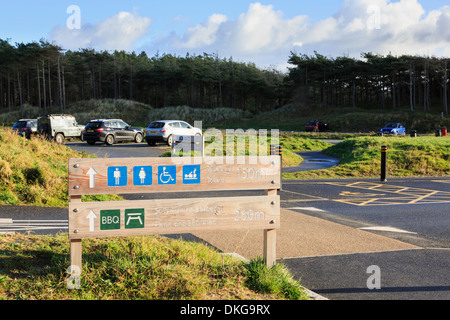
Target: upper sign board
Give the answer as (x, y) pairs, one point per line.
(150, 175)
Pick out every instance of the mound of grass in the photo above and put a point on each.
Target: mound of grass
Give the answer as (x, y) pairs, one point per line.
(149, 268)
(290, 143)
(301, 142)
(26, 111)
(132, 112)
(34, 172)
(207, 116)
(289, 118)
(373, 120)
(361, 157)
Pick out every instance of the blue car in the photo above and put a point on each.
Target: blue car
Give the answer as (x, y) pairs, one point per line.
(393, 128)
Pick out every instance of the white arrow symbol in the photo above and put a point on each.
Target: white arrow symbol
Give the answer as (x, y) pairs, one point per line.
(91, 216)
(91, 173)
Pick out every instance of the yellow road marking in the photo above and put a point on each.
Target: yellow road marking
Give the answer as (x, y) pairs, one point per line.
(408, 195)
(423, 197)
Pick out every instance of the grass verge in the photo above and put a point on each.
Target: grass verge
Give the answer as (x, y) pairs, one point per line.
(133, 268)
(361, 157)
(289, 118)
(290, 143)
(34, 172)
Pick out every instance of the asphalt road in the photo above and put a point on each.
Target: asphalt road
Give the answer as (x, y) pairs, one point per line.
(333, 231)
(413, 211)
(120, 150)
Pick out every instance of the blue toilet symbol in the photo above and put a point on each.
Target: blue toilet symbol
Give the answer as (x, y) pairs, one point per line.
(142, 176)
(117, 176)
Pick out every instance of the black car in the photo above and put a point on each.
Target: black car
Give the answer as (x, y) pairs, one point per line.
(111, 131)
(25, 127)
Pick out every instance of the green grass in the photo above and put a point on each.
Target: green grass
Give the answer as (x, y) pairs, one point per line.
(361, 157)
(290, 143)
(134, 268)
(34, 172)
(351, 120)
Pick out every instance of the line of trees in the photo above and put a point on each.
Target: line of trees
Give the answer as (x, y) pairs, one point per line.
(385, 82)
(44, 75)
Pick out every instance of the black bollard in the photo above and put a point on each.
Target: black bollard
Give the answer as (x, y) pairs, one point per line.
(383, 163)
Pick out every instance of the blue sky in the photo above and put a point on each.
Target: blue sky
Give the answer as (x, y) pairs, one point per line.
(262, 31)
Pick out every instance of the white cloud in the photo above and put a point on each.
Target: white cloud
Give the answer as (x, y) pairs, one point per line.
(203, 34)
(264, 36)
(118, 32)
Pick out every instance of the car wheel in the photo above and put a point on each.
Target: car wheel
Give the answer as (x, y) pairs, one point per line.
(169, 141)
(59, 138)
(109, 140)
(138, 138)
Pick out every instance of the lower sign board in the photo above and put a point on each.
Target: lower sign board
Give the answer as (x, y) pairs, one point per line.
(146, 217)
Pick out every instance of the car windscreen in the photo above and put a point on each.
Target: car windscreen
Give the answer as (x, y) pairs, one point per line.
(156, 125)
(391, 125)
(20, 124)
(94, 125)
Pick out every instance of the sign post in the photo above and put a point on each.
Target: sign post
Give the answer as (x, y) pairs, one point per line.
(162, 216)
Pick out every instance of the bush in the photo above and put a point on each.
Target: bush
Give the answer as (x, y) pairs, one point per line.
(29, 112)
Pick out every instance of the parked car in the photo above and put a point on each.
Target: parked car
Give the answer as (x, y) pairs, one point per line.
(111, 131)
(25, 127)
(316, 126)
(59, 127)
(393, 128)
(164, 130)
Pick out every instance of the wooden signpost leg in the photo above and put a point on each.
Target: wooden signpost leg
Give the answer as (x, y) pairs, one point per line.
(76, 244)
(270, 240)
(76, 253)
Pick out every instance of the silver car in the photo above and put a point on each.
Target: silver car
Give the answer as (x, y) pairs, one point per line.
(164, 130)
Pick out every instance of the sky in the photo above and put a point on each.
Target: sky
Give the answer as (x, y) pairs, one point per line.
(263, 32)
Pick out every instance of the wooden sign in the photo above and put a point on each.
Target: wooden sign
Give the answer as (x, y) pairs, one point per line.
(147, 217)
(165, 216)
(149, 175)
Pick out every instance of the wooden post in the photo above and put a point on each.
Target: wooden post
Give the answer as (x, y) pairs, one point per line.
(75, 244)
(270, 240)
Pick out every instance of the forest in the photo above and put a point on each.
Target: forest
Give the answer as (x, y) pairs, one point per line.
(45, 75)
(375, 81)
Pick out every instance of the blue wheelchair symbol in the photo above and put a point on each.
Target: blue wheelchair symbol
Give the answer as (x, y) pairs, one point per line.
(167, 175)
